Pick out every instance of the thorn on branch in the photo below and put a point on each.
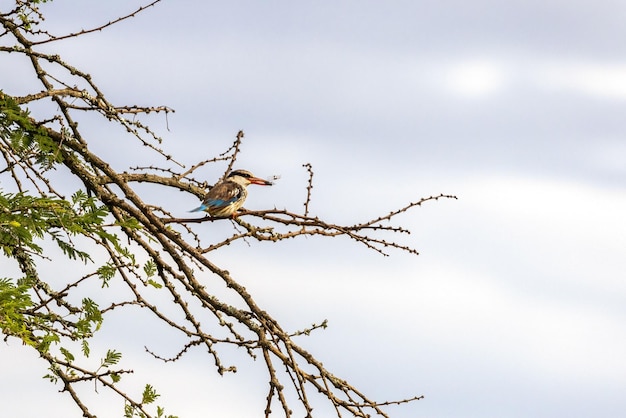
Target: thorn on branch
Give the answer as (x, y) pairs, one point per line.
(96, 29)
(313, 327)
(309, 188)
(186, 347)
(235, 152)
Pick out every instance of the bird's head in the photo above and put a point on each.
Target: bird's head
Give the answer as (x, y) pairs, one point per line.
(245, 178)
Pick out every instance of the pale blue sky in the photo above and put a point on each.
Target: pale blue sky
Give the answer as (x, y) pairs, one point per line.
(516, 305)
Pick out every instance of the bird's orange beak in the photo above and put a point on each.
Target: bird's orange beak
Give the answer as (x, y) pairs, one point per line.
(260, 182)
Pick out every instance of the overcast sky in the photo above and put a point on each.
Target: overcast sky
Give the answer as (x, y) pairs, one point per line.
(516, 306)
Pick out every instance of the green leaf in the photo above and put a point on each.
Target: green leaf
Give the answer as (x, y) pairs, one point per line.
(90, 319)
(149, 395)
(85, 347)
(69, 357)
(112, 357)
(154, 284)
(129, 410)
(150, 268)
(130, 223)
(106, 273)
(14, 300)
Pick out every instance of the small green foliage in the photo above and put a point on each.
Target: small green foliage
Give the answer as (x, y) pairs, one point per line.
(27, 221)
(150, 268)
(26, 12)
(154, 284)
(53, 376)
(130, 223)
(69, 250)
(90, 316)
(161, 413)
(126, 253)
(106, 273)
(46, 341)
(129, 410)
(112, 357)
(14, 300)
(27, 140)
(24, 218)
(84, 345)
(69, 357)
(149, 395)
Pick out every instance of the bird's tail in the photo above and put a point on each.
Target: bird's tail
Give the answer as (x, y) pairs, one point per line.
(198, 209)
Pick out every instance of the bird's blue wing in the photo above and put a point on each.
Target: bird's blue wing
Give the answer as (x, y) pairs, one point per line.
(220, 196)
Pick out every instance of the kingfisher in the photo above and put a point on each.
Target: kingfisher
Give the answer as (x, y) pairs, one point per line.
(228, 195)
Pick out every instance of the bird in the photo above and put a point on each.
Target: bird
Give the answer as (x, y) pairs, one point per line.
(227, 196)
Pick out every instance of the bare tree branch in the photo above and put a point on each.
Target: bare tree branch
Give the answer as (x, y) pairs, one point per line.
(179, 261)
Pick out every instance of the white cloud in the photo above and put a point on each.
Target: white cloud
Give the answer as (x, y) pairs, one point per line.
(572, 231)
(608, 155)
(475, 78)
(599, 79)
(484, 77)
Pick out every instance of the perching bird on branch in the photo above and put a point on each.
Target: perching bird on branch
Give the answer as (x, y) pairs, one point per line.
(227, 196)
